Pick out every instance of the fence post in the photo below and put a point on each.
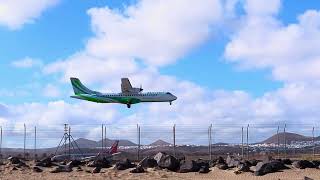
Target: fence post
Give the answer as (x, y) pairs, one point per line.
(138, 139)
(278, 143)
(313, 143)
(102, 137)
(35, 142)
(105, 136)
(1, 156)
(248, 142)
(285, 141)
(24, 141)
(242, 147)
(69, 136)
(210, 141)
(174, 140)
(139, 143)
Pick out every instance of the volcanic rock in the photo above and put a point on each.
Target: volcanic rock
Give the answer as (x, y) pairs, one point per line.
(96, 169)
(46, 162)
(263, 168)
(123, 165)
(14, 160)
(302, 164)
(103, 163)
(204, 169)
(148, 162)
(62, 168)
(169, 162)
(189, 166)
(138, 169)
(159, 156)
(37, 169)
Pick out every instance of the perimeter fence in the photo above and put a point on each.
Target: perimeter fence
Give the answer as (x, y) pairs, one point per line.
(140, 140)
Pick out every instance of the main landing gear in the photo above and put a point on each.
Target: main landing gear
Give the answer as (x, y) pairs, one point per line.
(128, 105)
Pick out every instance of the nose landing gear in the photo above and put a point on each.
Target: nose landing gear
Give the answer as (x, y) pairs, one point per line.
(170, 102)
(128, 105)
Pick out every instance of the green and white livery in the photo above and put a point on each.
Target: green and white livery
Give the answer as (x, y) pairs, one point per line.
(128, 95)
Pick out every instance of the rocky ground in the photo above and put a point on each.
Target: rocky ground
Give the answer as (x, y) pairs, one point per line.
(162, 166)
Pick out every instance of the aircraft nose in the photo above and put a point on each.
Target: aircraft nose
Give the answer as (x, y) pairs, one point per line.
(174, 97)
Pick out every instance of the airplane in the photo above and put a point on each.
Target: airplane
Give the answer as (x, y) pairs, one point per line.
(106, 154)
(129, 95)
(89, 156)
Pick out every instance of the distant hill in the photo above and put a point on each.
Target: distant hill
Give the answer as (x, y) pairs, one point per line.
(290, 137)
(160, 143)
(122, 142)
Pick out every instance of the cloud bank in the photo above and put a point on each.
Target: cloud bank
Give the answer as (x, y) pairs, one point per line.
(15, 13)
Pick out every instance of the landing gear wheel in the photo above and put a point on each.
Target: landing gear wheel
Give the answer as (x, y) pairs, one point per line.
(170, 102)
(128, 105)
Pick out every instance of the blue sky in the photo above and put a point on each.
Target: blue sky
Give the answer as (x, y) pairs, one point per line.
(213, 69)
(64, 29)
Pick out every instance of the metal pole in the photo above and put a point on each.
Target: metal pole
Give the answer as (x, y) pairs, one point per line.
(278, 140)
(24, 142)
(35, 143)
(1, 142)
(210, 141)
(139, 143)
(138, 140)
(314, 145)
(105, 137)
(69, 135)
(248, 142)
(242, 148)
(174, 140)
(285, 141)
(101, 137)
(65, 139)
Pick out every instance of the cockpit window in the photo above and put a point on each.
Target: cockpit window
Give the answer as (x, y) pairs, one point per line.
(168, 93)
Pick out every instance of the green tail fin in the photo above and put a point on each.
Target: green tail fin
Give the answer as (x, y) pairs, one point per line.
(79, 88)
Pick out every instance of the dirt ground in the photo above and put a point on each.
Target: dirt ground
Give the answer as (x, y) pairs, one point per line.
(25, 174)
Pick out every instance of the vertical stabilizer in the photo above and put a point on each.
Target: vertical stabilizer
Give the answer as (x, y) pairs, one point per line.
(125, 85)
(114, 147)
(79, 88)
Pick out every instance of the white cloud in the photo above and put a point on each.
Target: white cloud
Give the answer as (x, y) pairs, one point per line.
(15, 13)
(263, 41)
(90, 68)
(158, 32)
(27, 62)
(51, 91)
(262, 8)
(3, 110)
(57, 113)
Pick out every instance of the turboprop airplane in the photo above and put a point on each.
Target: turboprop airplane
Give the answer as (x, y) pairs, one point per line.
(129, 95)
